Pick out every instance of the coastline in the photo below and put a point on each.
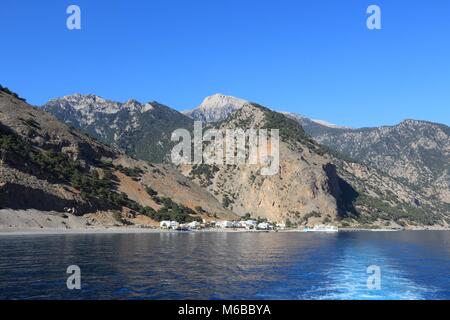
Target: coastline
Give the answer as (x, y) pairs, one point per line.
(34, 222)
(137, 230)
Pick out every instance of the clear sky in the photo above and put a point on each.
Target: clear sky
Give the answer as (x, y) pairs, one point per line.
(314, 57)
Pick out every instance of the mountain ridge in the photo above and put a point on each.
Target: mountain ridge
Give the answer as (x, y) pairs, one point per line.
(49, 166)
(415, 151)
(375, 201)
(313, 185)
(141, 130)
(215, 108)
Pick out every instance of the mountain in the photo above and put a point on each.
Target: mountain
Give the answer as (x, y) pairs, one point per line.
(218, 107)
(314, 184)
(215, 108)
(49, 166)
(318, 180)
(330, 125)
(314, 127)
(141, 130)
(417, 153)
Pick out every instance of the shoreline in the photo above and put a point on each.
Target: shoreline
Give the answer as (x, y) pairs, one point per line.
(34, 222)
(134, 230)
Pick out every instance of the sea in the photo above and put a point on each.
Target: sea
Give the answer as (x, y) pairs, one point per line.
(406, 265)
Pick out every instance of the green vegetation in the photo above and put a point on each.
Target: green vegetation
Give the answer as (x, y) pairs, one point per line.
(261, 220)
(289, 224)
(134, 173)
(176, 212)
(310, 215)
(289, 129)
(54, 166)
(237, 119)
(170, 210)
(400, 213)
(199, 210)
(226, 202)
(152, 193)
(149, 137)
(58, 168)
(204, 172)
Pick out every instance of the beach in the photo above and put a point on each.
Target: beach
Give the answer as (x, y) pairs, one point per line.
(32, 222)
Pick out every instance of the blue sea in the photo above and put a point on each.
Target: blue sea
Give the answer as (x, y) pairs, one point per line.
(210, 265)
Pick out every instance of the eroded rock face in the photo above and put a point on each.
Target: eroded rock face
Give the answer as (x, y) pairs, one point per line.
(313, 184)
(306, 183)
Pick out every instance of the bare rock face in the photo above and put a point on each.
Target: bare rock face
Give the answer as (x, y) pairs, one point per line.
(306, 184)
(296, 191)
(313, 185)
(215, 108)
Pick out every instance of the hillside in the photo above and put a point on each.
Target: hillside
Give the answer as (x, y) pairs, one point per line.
(49, 166)
(343, 183)
(416, 153)
(314, 184)
(141, 130)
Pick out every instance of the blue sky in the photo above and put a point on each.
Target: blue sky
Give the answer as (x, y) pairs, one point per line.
(314, 57)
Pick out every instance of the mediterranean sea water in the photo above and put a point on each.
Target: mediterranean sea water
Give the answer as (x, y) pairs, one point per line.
(220, 265)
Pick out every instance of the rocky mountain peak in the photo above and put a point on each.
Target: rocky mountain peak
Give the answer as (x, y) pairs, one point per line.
(215, 108)
(84, 103)
(219, 101)
(413, 123)
(89, 104)
(139, 129)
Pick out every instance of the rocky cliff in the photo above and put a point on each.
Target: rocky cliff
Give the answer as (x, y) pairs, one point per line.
(314, 184)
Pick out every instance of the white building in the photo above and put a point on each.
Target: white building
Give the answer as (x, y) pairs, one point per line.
(193, 225)
(168, 224)
(264, 226)
(241, 224)
(250, 224)
(281, 226)
(225, 224)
